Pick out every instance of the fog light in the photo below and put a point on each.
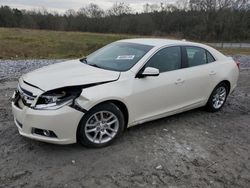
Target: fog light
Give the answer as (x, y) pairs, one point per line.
(44, 132)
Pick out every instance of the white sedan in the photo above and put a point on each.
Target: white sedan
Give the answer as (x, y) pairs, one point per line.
(128, 82)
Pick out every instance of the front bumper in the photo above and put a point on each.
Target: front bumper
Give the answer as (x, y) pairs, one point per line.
(63, 122)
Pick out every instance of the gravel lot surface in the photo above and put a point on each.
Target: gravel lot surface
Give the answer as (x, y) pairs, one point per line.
(192, 149)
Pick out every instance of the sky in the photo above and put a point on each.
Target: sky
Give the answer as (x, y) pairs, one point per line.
(62, 5)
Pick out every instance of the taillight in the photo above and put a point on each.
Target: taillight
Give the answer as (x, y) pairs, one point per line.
(238, 64)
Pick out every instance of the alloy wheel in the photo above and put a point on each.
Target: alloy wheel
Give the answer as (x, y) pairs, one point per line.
(101, 127)
(219, 97)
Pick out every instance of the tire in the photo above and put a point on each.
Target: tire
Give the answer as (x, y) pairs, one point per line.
(100, 126)
(220, 94)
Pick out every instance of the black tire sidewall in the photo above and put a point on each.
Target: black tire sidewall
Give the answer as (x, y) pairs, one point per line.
(209, 105)
(81, 136)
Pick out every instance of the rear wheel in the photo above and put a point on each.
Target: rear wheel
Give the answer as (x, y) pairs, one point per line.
(218, 98)
(101, 125)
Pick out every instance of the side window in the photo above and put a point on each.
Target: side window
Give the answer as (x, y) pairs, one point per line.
(196, 56)
(167, 59)
(210, 58)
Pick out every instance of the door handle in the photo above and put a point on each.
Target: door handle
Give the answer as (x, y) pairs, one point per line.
(212, 73)
(179, 81)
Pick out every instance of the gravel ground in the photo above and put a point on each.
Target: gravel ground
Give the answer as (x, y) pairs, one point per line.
(192, 149)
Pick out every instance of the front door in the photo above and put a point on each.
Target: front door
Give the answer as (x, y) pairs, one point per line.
(158, 95)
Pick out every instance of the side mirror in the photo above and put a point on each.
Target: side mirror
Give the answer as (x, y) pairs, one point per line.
(149, 71)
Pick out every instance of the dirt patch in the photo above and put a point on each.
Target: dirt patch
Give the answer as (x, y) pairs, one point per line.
(192, 149)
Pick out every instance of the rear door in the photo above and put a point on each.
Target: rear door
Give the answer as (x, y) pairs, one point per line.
(198, 75)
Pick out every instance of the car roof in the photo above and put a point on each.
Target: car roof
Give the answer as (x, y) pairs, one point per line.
(157, 41)
(160, 42)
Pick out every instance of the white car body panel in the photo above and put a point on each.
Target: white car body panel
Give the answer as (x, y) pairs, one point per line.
(146, 98)
(69, 73)
(63, 121)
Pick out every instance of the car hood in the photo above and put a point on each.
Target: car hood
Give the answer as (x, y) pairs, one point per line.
(68, 73)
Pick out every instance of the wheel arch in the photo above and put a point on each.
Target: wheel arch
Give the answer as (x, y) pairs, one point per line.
(227, 83)
(120, 105)
(209, 106)
(223, 81)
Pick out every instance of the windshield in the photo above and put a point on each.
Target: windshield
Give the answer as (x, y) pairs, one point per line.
(118, 56)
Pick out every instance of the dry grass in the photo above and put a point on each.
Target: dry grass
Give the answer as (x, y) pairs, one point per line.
(26, 43)
(16, 43)
(234, 51)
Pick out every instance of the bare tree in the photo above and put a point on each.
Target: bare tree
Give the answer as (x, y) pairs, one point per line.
(119, 9)
(70, 12)
(182, 4)
(241, 4)
(201, 20)
(209, 5)
(152, 7)
(146, 8)
(200, 5)
(92, 11)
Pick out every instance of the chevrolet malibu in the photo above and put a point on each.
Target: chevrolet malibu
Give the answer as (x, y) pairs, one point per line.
(92, 100)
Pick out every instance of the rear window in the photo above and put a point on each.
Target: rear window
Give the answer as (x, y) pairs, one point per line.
(210, 58)
(198, 56)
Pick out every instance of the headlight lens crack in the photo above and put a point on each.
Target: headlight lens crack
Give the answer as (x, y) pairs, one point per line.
(58, 98)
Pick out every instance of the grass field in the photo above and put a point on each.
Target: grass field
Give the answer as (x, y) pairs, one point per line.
(25, 43)
(42, 44)
(234, 51)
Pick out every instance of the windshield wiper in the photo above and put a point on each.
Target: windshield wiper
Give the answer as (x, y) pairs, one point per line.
(84, 60)
(95, 65)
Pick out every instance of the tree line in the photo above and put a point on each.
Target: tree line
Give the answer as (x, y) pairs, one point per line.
(207, 20)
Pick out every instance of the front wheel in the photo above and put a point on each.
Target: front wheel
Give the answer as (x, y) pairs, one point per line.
(218, 97)
(101, 125)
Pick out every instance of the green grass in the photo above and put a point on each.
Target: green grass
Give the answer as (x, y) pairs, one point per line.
(27, 44)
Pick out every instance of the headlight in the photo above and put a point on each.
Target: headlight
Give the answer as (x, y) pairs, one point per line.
(58, 98)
